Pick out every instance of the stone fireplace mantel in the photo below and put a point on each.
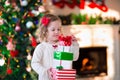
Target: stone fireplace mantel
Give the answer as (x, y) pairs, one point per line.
(99, 35)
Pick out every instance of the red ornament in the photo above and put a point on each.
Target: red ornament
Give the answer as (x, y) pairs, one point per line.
(33, 42)
(31, 14)
(9, 71)
(13, 2)
(13, 53)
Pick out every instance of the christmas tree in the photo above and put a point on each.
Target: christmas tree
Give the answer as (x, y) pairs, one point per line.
(18, 24)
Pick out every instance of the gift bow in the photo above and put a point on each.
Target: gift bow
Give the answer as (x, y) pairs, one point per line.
(65, 40)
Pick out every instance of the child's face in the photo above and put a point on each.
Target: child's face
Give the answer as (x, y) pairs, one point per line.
(54, 30)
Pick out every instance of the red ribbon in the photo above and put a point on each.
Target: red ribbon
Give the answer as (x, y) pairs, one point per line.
(65, 40)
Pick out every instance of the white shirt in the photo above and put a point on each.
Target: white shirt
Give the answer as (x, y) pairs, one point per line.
(43, 60)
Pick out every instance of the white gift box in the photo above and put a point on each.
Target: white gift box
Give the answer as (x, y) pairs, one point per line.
(63, 48)
(65, 64)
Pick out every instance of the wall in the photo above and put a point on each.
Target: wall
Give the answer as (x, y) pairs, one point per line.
(113, 6)
(117, 51)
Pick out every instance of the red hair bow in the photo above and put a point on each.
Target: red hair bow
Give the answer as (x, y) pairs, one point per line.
(45, 21)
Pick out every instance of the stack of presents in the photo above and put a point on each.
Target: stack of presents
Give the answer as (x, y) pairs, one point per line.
(63, 69)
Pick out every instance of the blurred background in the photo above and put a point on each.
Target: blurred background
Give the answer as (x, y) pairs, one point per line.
(95, 23)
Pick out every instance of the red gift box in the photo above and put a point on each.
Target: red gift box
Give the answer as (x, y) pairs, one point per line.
(64, 74)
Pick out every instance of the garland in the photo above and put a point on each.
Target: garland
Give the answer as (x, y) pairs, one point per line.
(81, 4)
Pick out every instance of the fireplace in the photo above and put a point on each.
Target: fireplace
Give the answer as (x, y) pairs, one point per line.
(92, 61)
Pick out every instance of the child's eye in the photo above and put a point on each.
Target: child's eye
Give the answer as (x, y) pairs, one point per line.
(59, 29)
(53, 29)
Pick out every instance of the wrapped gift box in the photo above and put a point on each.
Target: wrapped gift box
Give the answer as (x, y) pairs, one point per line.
(64, 74)
(64, 48)
(59, 55)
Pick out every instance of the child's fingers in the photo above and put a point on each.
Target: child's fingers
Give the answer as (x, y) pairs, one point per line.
(50, 74)
(74, 38)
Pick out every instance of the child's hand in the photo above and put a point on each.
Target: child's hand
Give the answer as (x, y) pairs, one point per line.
(74, 39)
(51, 74)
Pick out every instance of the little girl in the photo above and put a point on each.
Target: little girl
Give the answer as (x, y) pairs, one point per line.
(42, 60)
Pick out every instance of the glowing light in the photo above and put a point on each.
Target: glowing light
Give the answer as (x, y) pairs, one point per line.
(18, 66)
(2, 62)
(29, 56)
(28, 68)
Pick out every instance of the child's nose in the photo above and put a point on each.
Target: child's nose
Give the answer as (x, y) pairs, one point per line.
(56, 31)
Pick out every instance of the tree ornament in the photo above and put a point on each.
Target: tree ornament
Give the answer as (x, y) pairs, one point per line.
(17, 28)
(42, 9)
(13, 2)
(1, 40)
(16, 8)
(13, 53)
(28, 68)
(30, 14)
(0, 13)
(29, 57)
(2, 60)
(10, 45)
(14, 19)
(24, 16)
(36, 22)
(33, 41)
(29, 24)
(35, 12)
(1, 21)
(23, 2)
(9, 71)
(7, 3)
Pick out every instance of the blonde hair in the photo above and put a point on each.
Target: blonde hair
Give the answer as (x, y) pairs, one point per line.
(43, 28)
